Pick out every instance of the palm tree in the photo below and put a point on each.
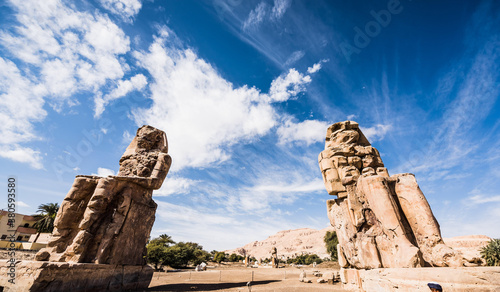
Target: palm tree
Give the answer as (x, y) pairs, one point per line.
(47, 215)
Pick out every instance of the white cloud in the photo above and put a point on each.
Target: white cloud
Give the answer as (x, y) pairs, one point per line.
(124, 87)
(202, 113)
(126, 9)
(256, 16)
(376, 133)
(22, 204)
(65, 51)
(22, 154)
(21, 105)
(316, 67)
(101, 171)
(279, 8)
(174, 185)
(289, 85)
(309, 131)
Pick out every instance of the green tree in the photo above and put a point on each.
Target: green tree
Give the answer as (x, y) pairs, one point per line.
(235, 258)
(157, 250)
(331, 242)
(491, 252)
(46, 217)
(219, 257)
(200, 256)
(156, 255)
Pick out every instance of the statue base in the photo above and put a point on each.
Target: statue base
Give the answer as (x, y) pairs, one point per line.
(74, 277)
(415, 279)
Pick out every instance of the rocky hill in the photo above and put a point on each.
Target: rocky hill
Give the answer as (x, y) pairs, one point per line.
(290, 243)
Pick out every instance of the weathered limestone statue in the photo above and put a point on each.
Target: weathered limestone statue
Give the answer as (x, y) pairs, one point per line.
(102, 226)
(381, 221)
(274, 257)
(107, 220)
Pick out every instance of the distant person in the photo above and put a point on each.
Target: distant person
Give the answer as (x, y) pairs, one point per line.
(435, 287)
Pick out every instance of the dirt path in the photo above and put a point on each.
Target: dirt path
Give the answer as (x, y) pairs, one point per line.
(236, 279)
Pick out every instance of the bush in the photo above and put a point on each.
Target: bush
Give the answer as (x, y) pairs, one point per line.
(491, 253)
(331, 242)
(305, 259)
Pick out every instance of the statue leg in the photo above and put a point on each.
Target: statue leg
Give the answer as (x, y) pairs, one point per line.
(68, 216)
(394, 247)
(96, 207)
(423, 223)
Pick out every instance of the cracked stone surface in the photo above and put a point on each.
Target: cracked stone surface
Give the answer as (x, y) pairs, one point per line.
(381, 221)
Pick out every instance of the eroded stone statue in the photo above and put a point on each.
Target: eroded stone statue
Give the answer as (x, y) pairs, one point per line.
(274, 257)
(107, 220)
(381, 221)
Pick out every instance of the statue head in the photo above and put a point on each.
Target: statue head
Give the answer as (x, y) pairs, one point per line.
(345, 133)
(149, 138)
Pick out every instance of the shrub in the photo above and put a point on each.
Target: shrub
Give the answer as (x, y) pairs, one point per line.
(305, 259)
(491, 253)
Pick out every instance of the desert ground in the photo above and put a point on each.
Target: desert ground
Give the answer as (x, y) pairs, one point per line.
(235, 278)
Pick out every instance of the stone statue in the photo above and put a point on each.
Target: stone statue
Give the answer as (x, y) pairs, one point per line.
(381, 221)
(274, 257)
(107, 220)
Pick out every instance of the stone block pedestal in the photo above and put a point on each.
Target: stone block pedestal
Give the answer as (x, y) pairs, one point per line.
(74, 277)
(465, 279)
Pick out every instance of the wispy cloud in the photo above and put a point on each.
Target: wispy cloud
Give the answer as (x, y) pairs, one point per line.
(294, 57)
(477, 90)
(479, 199)
(376, 132)
(256, 16)
(279, 8)
(263, 12)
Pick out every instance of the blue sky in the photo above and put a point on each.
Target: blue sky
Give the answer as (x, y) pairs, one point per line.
(245, 91)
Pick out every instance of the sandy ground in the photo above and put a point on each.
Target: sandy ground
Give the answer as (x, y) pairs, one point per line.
(235, 278)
